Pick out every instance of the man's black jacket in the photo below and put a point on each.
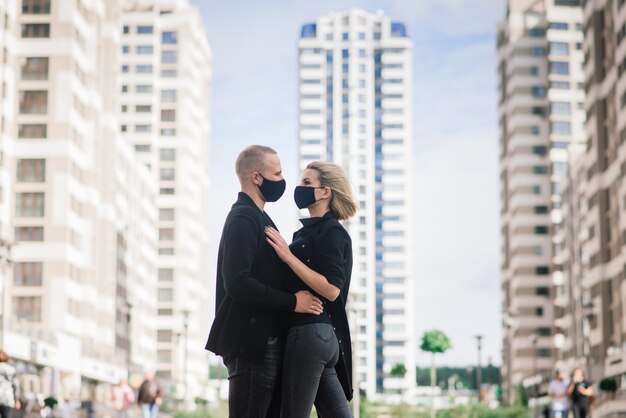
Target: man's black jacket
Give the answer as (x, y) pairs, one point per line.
(249, 275)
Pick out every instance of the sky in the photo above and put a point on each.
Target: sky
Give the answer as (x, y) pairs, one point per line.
(455, 142)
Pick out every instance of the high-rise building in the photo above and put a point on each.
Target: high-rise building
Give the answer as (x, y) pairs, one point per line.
(355, 109)
(594, 319)
(165, 75)
(79, 205)
(541, 114)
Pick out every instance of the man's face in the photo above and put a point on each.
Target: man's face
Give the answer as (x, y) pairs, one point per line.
(272, 170)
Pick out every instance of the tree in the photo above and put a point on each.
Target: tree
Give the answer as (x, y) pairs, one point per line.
(398, 370)
(435, 342)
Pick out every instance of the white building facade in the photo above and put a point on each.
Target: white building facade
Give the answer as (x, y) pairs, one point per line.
(541, 116)
(81, 208)
(164, 87)
(355, 109)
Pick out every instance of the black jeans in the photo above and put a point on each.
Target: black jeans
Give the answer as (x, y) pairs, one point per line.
(251, 386)
(5, 411)
(309, 376)
(580, 410)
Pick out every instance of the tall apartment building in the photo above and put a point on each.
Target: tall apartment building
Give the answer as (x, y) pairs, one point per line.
(355, 108)
(541, 114)
(77, 203)
(597, 318)
(165, 75)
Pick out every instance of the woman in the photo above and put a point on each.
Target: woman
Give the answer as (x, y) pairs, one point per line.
(8, 387)
(580, 391)
(317, 366)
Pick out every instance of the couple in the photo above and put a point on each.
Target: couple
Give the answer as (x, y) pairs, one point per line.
(280, 324)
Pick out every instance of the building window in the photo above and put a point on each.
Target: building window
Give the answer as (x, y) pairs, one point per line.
(32, 131)
(28, 233)
(27, 308)
(164, 336)
(561, 108)
(560, 68)
(542, 270)
(168, 174)
(124, 68)
(125, 49)
(169, 38)
(28, 274)
(166, 214)
(558, 25)
(168, 96)
(125, 30)
(168, 132)
(29, 205)
(143, 108)
(168, 73)
(166, 234)
(165, 295)
(144, 49)
(143, 69)
(559, 48)
(124, 89)
(541, 230)
(539, 311)
(167, 191)
(143, 128)
(36, 30)
(168, 57)
(561, 128)
(143, 88)
(537, 32)
(168, 115)
(168, 154)
(144, 30)
(561, 85)
(166, 275)
(31, 170)
(34, 102)
(537, 51)
(35, 7)
(143, 147)
(538, 91)
(34, 68)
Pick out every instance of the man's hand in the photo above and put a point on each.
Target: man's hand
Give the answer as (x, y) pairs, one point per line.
(307, 303)
(18, 405)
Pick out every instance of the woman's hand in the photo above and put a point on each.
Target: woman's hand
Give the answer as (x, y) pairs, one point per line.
(278, 243)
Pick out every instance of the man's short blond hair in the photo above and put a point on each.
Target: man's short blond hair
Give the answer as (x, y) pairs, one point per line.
(252, 159)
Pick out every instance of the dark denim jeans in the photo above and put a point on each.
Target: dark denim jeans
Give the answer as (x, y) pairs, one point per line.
(309, 377)
(251, 386)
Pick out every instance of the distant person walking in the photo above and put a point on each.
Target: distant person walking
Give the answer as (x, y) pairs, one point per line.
(149, 396)
(580, 391)
(122, 397)
(8, 387)
(558, 394)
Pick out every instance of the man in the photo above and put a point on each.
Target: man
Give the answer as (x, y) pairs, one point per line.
(149, 396)
(558, 393)
(247, 331)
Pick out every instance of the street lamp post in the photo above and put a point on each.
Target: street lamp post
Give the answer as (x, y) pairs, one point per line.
(535, 341)
(588, 317)
(129, 358)
(479, 339)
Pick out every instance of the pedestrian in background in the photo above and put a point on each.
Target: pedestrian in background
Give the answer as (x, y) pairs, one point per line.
(122, 397)
(149, 397)
(580, 391)
(558, 394)
(9, 387)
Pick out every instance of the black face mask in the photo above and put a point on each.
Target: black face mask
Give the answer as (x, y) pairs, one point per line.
(304, 196)
(272, 190)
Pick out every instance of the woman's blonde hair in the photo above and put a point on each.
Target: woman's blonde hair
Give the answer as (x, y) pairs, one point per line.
(335, 178)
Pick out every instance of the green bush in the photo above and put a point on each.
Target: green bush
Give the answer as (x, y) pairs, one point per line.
(608, 384)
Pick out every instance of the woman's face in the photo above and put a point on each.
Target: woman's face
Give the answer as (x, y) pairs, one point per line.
(311, 178)
(578, 375)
